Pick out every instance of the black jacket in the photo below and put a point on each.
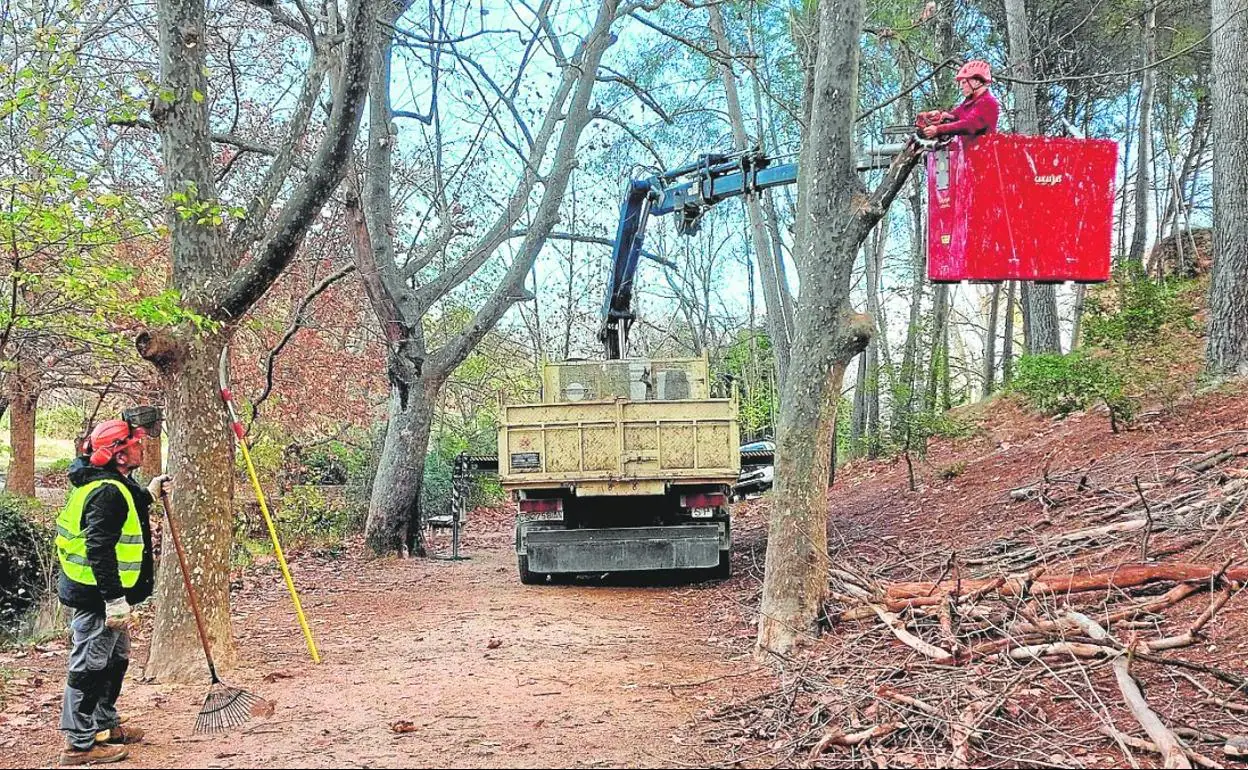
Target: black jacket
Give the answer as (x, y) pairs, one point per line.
(103, 515)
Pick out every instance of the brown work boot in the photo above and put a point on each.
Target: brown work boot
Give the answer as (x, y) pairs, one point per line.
(99, 754)
(119, 735)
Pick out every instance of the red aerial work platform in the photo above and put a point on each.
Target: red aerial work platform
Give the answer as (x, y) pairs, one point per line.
(1007, 207)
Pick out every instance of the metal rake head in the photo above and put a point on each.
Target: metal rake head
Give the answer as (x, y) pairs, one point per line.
(225, 707)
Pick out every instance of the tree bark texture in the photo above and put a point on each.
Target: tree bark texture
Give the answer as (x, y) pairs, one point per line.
(1045, 334)
(1227, 351)
(23, 386)
(201, 456)
(153, 464)
(1076, 329)
(400, 474)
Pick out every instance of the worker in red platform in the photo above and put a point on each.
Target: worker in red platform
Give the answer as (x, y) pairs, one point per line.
(975, 116)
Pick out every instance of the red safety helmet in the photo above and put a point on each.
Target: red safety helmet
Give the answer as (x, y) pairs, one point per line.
(975, 68)
(109, 438)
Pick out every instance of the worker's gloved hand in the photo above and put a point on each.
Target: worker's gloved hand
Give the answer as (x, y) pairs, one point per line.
(157, 484)
(117, 614)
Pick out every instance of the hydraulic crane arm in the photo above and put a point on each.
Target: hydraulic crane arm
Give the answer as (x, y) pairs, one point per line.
(688, 192)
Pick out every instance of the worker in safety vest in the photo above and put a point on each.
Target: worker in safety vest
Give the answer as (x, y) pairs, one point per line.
(104, 544)
(975, 116)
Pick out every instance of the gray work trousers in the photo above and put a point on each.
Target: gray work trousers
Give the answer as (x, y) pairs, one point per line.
(98, 659)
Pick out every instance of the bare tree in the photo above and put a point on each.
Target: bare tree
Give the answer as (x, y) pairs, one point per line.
(213, 274)
(1144, 152)
(835, 216)
(405, 284)
(770, 262)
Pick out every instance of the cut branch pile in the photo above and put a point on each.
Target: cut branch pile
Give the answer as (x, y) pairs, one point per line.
(1093, 664)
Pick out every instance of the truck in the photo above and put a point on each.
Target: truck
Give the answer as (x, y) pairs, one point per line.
(624, 465)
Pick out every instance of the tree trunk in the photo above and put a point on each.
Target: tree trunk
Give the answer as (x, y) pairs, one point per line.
(23, 399)
(1227, 352)
(989, 383)
(834, 219)
(795, 581)
(201, 454)
(864, 440)
(939, 358)
(200, 446)
(204, 260)
(773, 216)
(1007, 341)
(873, 400)
(946, 370)
(879, 341)
(858, 420)
(1045, 336)
(394, 515)
(1144, 152)
(779, 321)
(904, 386)
(1127, 144)
(1040, 330)
(1081, 293)
(1024, 306)
(153, 462)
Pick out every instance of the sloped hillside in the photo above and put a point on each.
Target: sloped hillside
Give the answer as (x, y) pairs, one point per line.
(1048, 590)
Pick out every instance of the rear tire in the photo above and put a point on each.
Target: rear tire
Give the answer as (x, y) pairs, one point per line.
(723, 570)
(526, 577)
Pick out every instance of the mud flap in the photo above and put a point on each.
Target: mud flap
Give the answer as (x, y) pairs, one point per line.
(626, 549)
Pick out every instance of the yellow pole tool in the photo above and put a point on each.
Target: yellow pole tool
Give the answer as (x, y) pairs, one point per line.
(237, 426)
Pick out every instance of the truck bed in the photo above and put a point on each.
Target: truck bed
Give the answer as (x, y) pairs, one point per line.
(680, 441)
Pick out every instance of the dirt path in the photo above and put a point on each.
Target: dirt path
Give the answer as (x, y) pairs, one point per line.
(585, 675)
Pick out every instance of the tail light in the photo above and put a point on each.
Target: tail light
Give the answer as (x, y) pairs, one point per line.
(713, 500)
(542, 505)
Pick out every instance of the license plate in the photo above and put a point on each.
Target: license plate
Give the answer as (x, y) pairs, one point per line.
(526, 461)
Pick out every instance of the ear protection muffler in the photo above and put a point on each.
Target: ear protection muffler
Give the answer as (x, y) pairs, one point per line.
(105, 454)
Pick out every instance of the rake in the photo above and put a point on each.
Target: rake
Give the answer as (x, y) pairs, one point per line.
(225, 706)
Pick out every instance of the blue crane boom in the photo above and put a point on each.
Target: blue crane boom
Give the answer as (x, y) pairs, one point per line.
(687, 191)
